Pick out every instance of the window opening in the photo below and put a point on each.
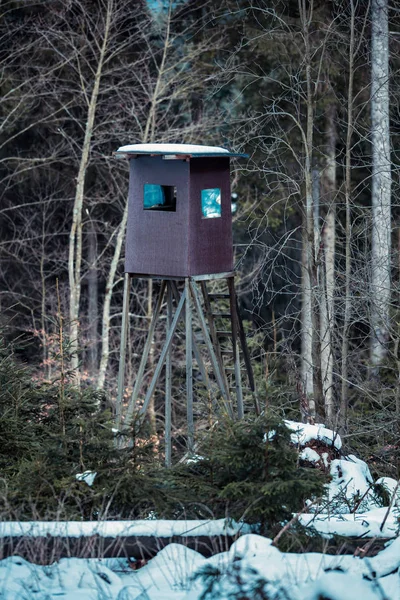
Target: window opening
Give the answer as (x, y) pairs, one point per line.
(159, 197)
(211, 203)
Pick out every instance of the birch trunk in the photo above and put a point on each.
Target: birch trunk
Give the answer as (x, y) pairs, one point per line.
(306, 327)
(93, 302)
(347, 187)
(311, 343)
(75, 236)
(148, 136)
(105, 324)
(328, 270)
(381, 185)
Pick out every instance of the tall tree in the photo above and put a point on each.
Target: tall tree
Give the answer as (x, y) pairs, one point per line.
(327, 281)
(381, 184)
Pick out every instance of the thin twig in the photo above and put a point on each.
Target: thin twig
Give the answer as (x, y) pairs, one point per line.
(390, 505)
(293, 520)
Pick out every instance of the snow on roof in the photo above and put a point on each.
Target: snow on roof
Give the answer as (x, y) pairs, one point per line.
(171, 149)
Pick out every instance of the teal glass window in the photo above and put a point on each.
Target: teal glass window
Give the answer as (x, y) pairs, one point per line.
(211, 203)
(159, 197)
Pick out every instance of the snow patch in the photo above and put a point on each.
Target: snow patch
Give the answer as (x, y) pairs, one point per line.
(87, 476)
(366, 525)
(179, 573)
(310, 455)
(303, 433)
(351, 487)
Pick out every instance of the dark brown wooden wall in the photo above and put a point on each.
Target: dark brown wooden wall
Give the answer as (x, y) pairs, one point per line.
(157, 241)
(210, 240)
(181, 243)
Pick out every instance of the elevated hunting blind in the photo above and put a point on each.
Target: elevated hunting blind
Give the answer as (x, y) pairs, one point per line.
(180, 218)
(179, 229)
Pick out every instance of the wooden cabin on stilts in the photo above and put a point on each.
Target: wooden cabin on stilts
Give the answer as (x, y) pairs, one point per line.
(179, 232)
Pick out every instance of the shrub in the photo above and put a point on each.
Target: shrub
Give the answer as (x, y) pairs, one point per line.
(52, 431)
(249, 470)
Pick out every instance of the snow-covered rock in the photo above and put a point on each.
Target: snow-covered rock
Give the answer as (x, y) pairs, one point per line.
(351, 487)
(304, 433)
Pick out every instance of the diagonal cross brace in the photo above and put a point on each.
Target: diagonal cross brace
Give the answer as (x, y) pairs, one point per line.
(213, 357)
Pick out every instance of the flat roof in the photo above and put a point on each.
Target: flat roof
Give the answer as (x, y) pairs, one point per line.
(175, 150)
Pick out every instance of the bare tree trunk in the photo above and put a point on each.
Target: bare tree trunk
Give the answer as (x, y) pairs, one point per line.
(328, 271)
(105, 325)
(151, 409)
(307, 370)
(381, 185)
(43, 333)
(157, 88)
(310, 309)
(93, 301)
(347, 187)
(148, 136)
(75, 236)
(306, 324)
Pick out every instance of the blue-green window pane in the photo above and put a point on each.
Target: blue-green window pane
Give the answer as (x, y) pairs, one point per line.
(159, 197)
(211, 203)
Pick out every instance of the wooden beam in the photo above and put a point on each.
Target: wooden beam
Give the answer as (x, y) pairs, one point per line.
(213, 276)
(214, 336)
(247, 361)
(235, 349)
(213, 357)
(124, 334)
(189, 369)
(168, 386)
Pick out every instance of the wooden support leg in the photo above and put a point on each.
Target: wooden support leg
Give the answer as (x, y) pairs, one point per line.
(145, 355)
(168, 386)
(189, 368)
(235, 349)
(214, 361)
(247, 361)
(124, 332)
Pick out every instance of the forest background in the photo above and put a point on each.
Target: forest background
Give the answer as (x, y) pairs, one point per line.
(310, 90)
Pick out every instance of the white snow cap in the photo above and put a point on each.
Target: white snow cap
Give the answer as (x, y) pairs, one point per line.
(172, 149)
(88, 477)
(304, 433)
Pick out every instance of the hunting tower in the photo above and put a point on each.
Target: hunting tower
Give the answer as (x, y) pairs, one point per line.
(179, 231)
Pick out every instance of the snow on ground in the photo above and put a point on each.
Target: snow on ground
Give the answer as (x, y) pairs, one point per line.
(352, 506)
(366, 524)
(251, 564)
